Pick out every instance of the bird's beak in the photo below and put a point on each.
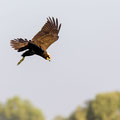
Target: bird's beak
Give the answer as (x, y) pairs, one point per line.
(49, 59)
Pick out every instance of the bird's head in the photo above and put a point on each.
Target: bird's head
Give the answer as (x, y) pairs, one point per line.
(48, 57)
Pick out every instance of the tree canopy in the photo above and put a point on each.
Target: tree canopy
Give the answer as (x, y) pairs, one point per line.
(105, 106)
(16, 109)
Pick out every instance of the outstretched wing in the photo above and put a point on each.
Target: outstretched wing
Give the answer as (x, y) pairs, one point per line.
(48, 34)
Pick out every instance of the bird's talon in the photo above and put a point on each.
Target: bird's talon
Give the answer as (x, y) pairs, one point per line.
(21, 60)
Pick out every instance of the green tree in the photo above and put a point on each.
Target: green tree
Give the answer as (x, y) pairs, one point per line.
(105, 107)
(79, 114)
(59, 118)
(16, 109)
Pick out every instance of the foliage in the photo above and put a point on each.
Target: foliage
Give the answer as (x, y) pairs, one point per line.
(79, 114)
(105, 107)
(59, 118)
(16, 109)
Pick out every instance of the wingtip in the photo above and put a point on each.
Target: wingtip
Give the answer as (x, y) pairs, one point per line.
(59, 27)
(55, 22)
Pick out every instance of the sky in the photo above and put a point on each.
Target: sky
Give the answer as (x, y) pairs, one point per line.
(85, 59)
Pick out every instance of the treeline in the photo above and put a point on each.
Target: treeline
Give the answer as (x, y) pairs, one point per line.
(104, 107)
(17, 109)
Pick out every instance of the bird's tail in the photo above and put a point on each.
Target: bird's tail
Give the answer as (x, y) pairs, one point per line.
(19, 44)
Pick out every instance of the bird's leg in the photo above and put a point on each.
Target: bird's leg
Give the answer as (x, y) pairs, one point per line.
(21, 60)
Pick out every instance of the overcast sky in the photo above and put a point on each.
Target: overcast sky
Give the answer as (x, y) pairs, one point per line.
(85, 59)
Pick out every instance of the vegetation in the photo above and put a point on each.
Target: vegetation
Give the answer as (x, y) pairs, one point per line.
(59, 118)
(104, 107)
(79, 114)
(16, 109)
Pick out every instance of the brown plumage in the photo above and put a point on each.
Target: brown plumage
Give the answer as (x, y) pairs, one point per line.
(18, 43)
(40, 42)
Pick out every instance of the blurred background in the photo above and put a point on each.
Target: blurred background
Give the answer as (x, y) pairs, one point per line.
(85, 61)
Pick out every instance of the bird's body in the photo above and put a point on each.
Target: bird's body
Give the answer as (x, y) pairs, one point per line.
(40, 42)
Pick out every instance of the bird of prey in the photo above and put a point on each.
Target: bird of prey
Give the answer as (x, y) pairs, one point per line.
(40, 42)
